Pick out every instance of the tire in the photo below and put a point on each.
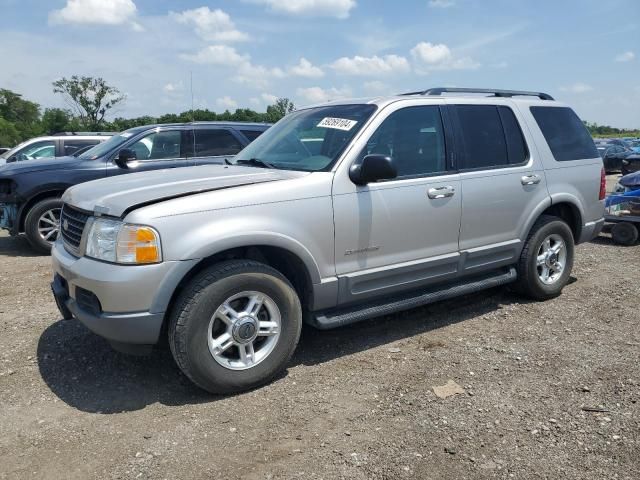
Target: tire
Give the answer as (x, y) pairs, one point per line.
(195, 326)
(624, 233)
(530, 275)
(38, 220)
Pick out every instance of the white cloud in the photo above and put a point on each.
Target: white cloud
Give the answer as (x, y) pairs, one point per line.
(320, 8)
(173, 88)
(429, 56)
(320, 95)
(306, 69)
(376, 87)
(210, 25)
(371, 65)
(104, 12)
(625, 57)
(441, 3)
(226, 102)
(257, 76)
(268, 98)
(577, 88)
(217, 55)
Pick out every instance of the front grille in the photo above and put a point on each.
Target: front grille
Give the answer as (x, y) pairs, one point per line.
(72, 222)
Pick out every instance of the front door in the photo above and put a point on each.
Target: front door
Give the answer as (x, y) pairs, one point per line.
(403, 233)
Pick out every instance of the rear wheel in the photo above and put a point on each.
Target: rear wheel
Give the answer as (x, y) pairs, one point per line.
(235, 326)
(624, 233)
(546, 259)
(42, 224)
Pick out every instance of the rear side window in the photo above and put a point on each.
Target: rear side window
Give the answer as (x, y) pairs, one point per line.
(215, 142)
(72, 146)
(251, 134)
(490, 137)
(565, 133)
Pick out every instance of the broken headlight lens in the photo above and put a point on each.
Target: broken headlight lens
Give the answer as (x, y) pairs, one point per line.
(119, 242)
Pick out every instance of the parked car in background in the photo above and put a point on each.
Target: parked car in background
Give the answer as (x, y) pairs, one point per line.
(630, 164)
(30, 191)
(635, 146)
(612, 156)
(58, 145)
(628, 183)
(4, 149)
(395, 202)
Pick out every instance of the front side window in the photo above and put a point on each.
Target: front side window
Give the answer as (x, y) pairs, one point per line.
(215, 142)
(565, 133)
(413, 137)
(308, 140)
(158, 145)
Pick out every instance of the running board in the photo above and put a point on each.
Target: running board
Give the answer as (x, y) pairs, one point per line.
(325, 320)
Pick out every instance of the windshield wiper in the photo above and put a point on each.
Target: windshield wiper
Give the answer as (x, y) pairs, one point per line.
(255, 162)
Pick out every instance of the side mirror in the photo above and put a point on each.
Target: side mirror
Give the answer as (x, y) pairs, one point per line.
(125, 156)
(373, 168)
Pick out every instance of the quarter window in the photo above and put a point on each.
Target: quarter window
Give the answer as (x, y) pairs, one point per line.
(565, 133)
(413, 137)
(215, 142)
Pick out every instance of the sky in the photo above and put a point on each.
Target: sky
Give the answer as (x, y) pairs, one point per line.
(246, 53)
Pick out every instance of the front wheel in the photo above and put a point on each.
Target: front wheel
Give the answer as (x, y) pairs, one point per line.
(546, 259)
(42, 224)
(235, 326)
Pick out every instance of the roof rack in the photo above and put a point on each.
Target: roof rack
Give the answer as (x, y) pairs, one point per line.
(491, 91)
(70, 134)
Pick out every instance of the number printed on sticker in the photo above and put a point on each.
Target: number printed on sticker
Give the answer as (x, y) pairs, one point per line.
(337, 123)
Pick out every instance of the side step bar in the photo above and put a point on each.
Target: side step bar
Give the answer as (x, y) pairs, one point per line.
(339, 317)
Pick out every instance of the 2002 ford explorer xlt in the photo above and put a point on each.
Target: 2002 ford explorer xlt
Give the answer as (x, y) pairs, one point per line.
(339, 213)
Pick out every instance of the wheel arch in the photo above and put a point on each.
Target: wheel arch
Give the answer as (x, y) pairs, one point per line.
(28, 205)
(565, 209)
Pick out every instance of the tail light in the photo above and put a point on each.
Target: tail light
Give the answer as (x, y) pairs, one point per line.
(603, 184)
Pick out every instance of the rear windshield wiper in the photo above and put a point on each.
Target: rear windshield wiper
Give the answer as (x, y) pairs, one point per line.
(255, 162)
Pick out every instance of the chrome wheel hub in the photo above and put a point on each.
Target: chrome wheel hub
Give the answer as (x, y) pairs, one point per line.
(244, 330)
(551, 259)
(49, 225)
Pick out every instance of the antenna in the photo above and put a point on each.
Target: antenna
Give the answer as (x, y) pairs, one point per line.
(192, 116)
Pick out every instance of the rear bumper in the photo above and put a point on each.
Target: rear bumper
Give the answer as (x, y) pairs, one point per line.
(591, 230)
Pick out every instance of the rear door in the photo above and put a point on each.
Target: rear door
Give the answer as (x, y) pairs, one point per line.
(502, 182)
(211, 145)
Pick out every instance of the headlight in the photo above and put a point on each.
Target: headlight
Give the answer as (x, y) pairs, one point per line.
(119, 242)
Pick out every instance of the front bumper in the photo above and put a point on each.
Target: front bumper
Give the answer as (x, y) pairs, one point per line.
(122, 303)
(591, 230)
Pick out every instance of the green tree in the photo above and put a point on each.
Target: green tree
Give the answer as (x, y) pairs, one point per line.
(9, 135)
(279, 109)
(56, 120)
(23, 115)
(91, 98)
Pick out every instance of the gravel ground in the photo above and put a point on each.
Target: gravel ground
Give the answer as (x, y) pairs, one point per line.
(355, 403)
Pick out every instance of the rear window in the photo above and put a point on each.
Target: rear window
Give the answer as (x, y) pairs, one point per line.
(565, 133)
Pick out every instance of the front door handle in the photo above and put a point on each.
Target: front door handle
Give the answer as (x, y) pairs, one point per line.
(441, 192)
(530, 180)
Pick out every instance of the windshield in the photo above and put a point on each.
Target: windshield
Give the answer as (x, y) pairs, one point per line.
(105, 147)
(309, 140)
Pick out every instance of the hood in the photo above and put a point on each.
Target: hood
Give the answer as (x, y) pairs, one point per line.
(630, 180)
(117, 195)
(30, 166)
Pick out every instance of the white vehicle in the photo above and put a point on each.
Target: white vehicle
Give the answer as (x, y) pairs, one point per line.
(58, 145)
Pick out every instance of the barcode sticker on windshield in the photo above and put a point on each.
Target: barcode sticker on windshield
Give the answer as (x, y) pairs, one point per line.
(337, 123)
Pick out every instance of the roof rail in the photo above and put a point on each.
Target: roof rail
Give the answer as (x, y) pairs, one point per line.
(492, 91)
(70, 134)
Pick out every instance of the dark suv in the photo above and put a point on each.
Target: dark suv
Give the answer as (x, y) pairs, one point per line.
(30, 191)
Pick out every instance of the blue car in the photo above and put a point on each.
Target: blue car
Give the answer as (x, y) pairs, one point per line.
(30, 191)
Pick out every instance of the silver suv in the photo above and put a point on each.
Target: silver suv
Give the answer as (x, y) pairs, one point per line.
(339, 213)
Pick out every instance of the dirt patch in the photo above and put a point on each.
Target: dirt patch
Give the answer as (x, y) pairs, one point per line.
(354, 403)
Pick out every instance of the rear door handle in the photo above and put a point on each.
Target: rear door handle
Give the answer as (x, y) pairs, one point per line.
(530, 180)
(441, 192)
